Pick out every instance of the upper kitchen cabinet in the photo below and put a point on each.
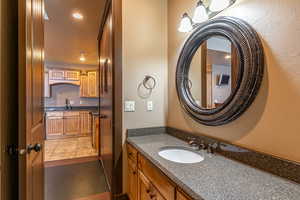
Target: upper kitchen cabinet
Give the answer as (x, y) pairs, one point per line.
(72, 75)
(89, 86)
(88, 82)
(57, 76)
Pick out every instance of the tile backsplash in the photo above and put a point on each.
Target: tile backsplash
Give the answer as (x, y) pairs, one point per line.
(61, 92)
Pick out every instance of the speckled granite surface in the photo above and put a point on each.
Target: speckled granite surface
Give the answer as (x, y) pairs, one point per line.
(217, 177)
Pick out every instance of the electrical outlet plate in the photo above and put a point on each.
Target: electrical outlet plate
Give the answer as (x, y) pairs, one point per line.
(129, 106)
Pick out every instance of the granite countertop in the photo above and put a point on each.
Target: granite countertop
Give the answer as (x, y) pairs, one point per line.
(216, 177)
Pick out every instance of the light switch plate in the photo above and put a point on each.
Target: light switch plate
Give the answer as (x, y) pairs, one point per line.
(149, 105)
(129, 106)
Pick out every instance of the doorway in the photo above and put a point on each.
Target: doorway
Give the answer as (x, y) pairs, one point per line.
(69, 102)
(72, 156)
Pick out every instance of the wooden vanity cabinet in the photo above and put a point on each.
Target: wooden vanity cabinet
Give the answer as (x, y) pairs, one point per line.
(147, 182)
(146, 191)
(132, 180)
(150, 182)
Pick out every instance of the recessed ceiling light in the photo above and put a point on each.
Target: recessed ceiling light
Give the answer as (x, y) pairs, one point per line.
(77, 15)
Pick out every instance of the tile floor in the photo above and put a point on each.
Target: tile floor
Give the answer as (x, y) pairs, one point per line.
(69, 148)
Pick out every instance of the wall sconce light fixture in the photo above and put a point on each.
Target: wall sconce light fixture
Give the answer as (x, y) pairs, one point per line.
(202, 13)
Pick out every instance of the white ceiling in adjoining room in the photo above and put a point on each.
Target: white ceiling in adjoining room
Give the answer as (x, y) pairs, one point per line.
(67, 38)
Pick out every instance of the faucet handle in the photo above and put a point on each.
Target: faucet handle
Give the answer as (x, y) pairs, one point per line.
(211, 148)
(202, 145)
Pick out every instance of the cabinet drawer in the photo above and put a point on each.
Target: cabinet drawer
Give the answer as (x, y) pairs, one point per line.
(71, 114)
(158, 179)
(146, 191)
(132, 153)
(54, 114)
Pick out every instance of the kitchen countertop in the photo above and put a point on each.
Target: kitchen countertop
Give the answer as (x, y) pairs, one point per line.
(216, 177)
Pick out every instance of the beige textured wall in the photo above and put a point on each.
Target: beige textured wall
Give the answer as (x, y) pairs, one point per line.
(272, 124)
(144, 53)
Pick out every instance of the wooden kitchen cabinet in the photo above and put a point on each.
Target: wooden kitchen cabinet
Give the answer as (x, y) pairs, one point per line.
(72, 75)
(85, 122)
(68, 124)
(84, 89)
(89, 86)
(93, 84)
(71, 123)
(55, 126)
(56, 75)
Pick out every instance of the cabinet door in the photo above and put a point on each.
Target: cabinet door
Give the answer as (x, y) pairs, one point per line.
(84, 90)
(72, 75)
(157, 178)
(86, 123)
(92, 84)
(56, 75)
(71, 125)
(132, 181)
(146, 191)
(54, 127)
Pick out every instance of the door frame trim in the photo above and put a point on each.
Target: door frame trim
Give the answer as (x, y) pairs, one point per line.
(117, 108)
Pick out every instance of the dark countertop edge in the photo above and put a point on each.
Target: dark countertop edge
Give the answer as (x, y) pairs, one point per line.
(165, 171)
(267, 163)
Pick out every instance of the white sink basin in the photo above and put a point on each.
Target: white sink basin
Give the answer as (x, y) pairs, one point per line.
(180, 155)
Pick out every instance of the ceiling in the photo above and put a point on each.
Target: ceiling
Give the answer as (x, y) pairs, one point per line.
(66, 37)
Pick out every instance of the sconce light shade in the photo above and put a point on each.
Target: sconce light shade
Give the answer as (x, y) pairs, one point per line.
(200, 14)
(185, 24)
(218, 5)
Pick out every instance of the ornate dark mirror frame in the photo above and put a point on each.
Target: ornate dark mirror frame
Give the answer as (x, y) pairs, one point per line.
(251, 69)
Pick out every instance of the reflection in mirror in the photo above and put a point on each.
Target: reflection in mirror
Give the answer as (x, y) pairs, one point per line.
(213, 72)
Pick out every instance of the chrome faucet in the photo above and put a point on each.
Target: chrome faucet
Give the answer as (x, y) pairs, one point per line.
(68, 104)
(201, 145)
(196, 144)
